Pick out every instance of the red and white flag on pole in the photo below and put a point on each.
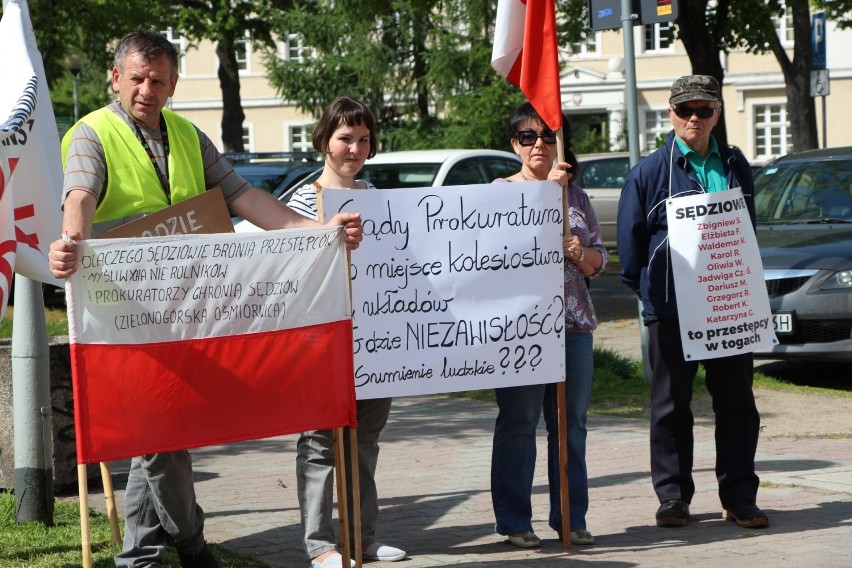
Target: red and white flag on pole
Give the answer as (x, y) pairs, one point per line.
(30, 163)
(188, 341)
(525, 52)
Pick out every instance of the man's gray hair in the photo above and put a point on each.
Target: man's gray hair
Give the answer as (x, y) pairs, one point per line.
(149, 44)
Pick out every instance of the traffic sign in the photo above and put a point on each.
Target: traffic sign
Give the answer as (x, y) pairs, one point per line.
(606, 14)
(657, 11)
(818, 40)
(820, 85)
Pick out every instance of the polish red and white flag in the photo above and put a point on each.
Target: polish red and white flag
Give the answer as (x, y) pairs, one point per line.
(526, 53)
(30, 166)
(194, 340)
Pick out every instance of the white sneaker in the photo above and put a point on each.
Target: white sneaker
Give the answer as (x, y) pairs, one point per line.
(582, 536)
(383, 552)
(333, 561)
(526, 540)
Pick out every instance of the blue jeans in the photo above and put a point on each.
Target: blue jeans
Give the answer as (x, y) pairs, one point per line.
(579, 368)
(160, 509)
(513, 457)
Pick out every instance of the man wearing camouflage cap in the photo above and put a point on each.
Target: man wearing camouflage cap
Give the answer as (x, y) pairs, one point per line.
(690, 162)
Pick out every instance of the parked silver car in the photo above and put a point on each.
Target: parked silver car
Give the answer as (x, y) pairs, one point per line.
(602, 176)
(804, 229)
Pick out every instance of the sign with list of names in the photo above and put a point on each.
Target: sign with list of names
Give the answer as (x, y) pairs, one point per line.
(722, 301)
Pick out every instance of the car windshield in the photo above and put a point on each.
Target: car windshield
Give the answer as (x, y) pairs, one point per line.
(264, 177)
(804, 192)
(387, 176)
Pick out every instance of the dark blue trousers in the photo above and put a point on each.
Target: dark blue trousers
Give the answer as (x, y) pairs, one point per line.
(729, 382)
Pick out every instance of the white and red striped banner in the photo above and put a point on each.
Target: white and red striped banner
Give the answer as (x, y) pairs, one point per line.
(193, 340)
(30, 166)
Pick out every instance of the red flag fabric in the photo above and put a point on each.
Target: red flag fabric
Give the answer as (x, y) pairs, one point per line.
(193, 340)
(30, 167)
(525, 52)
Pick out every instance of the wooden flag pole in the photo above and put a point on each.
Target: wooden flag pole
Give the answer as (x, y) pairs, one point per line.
(561, 399)
(109, 497)
(342, 500)
(356, 494)
(340, 458)
(85, 534)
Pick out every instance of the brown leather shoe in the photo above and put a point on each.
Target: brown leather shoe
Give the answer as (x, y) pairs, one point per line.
(746, 515)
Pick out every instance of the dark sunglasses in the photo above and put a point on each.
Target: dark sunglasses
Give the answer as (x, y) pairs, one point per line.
(700, 112)
(529, 137)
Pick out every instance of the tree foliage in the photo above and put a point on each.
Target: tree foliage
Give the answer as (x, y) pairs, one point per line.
(708, 28)
(225, 22)
(87, 28)
(423, 66)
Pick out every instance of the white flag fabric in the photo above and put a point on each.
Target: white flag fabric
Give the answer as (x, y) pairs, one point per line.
(193, 340)
(30, 163)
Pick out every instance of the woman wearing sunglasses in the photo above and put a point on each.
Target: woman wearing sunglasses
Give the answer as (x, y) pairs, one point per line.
(519, 408)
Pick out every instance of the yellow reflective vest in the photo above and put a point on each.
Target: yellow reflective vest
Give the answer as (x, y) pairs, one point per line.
(133, 186)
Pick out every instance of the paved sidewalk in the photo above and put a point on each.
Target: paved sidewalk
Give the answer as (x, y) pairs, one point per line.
(434, 496)
(434, 490)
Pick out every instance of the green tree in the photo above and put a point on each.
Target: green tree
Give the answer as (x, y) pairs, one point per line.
(423, 66)
(708, 28)
(87, 28)
(226, 22)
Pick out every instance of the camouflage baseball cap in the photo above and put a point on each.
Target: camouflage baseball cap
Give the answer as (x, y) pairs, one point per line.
(694, 88)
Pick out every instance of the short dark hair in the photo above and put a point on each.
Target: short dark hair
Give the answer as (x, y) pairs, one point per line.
(526, 113)
(147, 43)
(348, 111)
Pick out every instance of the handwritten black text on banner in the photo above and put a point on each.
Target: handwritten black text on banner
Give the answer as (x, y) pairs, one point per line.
(456, 288)
(192, 340)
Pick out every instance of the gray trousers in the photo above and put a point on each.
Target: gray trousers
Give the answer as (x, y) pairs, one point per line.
(160, 510)
(315, 478)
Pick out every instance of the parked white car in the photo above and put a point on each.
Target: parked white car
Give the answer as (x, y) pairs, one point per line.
(423, 168)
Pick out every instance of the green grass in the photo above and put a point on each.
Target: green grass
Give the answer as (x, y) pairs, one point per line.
(55, 318)
(33, 545)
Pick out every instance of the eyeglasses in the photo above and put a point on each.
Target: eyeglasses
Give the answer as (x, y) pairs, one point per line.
(700, 112)
(529, 137)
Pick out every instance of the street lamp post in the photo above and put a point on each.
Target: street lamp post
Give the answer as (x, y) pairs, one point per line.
(74, 63)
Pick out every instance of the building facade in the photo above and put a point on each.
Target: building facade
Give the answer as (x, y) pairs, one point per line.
(593, 91)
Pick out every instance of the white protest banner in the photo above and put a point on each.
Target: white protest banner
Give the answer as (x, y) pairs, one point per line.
(30, 166)
(721, 294)
(191, 340)
(456, 288)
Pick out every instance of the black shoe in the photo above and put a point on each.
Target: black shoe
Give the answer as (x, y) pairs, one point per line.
(202, 559)
(747, 515)
(673, 513)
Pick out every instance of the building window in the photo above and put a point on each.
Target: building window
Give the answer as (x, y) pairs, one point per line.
(784, 28)
(248, 138)
(293, 49)
(299, 138)
(658, 37)
(772, 136)
(587, 46)
(179, 42)
(242, 49)
(657, 124)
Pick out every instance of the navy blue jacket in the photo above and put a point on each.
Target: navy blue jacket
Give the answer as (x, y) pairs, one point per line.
(642, 225)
